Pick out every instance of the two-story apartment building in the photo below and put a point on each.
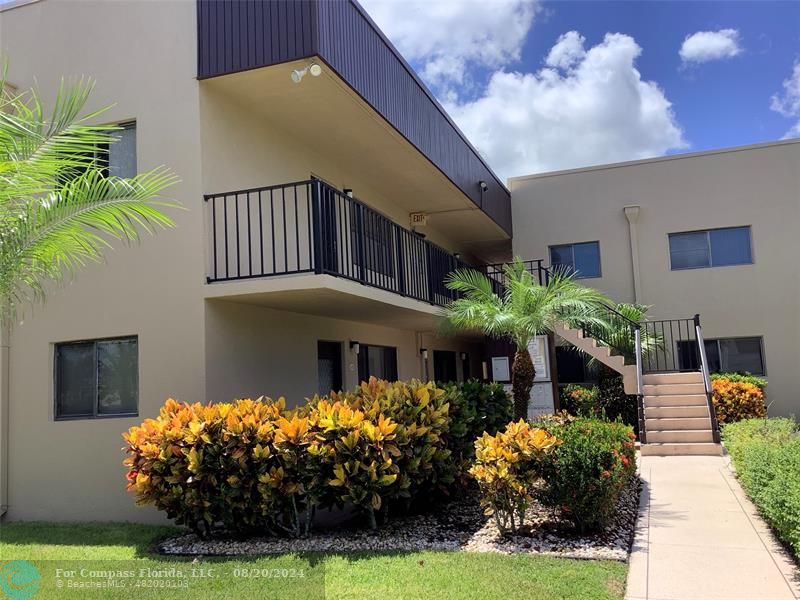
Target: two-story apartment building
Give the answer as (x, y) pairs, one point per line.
(710, 233)
(327, 195)
(304, 143)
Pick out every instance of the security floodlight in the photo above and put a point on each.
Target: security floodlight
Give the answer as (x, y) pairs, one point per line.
(298, 74)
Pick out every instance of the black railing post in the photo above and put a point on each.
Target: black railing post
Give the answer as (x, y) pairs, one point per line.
(401, 267)
(316, 192)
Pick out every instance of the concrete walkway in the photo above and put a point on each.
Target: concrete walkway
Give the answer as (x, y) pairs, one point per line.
(698, 537)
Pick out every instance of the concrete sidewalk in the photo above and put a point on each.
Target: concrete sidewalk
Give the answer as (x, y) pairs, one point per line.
(698, 537)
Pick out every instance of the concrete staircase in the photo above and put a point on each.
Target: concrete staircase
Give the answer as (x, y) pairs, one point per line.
(600, 352)
(677, 421)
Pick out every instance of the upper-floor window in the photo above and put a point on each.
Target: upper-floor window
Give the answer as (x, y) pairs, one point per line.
(581, 259)
(710, 248)
(97, 378)
(119, 156)
(725, 355)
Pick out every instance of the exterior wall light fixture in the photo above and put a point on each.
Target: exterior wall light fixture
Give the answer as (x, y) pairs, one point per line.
(298, 74)
(355, 347)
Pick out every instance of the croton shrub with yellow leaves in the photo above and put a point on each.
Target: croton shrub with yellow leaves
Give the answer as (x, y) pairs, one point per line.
(506, 468)
(253, 465)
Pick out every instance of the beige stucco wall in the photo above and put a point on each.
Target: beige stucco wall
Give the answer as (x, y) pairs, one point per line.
(759, 186)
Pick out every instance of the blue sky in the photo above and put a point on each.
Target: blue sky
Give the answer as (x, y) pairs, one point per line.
(598, 98)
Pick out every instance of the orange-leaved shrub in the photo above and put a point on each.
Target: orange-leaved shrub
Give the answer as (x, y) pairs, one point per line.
(422, 414)
(253, 465)
(506, 467)
(737, 400)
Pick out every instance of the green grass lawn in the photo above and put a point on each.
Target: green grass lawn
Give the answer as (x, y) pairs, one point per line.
(414, 575)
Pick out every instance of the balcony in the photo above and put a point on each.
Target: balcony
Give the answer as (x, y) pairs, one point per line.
(309, 228)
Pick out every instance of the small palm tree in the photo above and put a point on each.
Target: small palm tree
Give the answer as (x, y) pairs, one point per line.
(525, 309)
(58, 209)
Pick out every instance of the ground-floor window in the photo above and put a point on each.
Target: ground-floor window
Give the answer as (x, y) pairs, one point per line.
(444, 366)
(377, 361)
(329, 367)
(97, 378)
(725, 355)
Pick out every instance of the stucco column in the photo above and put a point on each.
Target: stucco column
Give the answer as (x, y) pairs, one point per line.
(632, 214)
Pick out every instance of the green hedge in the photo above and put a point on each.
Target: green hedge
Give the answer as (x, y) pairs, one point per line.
(588, 470)
(766, 454)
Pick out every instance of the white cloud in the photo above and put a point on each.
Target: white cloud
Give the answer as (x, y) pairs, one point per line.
(567, 51)
(585, 107)
(447, 37)
(704, 46)
(787, 103)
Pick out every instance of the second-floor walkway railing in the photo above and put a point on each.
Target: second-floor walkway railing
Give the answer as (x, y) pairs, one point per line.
(311, 227)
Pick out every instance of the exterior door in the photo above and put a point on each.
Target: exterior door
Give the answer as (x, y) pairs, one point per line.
(444, 366)
(328, 225)
(377, 361)
(329, 366)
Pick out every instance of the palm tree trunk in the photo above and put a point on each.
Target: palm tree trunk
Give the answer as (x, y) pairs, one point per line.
(522, 375)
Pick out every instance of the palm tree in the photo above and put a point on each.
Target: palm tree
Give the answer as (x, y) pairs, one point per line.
(524, 310)
(58, 209)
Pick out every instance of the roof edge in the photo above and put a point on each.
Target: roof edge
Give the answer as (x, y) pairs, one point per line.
(655, 159)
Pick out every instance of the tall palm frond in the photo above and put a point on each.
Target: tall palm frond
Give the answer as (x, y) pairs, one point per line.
(58, 210)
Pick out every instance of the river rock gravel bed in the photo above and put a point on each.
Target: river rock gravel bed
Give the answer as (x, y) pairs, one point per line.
(458, 525)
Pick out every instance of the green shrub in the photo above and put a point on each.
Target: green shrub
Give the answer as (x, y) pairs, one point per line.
(475, 407)
(580, 400)
(614, 402)
(766, 454)
(586, 473)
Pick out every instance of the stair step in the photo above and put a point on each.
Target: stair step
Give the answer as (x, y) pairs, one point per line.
(681, 449)
(688, 400)
(667, 424)
(675, 412)
(673, 378)
(680, 435)
(677, 389)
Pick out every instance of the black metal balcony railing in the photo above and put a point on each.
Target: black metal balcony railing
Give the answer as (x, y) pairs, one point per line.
(310, 227)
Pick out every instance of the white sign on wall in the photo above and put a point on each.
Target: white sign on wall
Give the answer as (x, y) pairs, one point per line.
(500, 369)
(540, 355)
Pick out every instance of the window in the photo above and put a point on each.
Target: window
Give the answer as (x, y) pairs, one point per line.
(581, 259)
(97, 378)
(377, 361)
(725, 355)
(116, 158)
(710, 248)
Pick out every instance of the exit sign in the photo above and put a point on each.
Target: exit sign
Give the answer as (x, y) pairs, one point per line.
(419, 218)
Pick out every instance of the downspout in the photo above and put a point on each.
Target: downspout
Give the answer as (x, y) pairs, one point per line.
(632, 214)
(5, 349)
